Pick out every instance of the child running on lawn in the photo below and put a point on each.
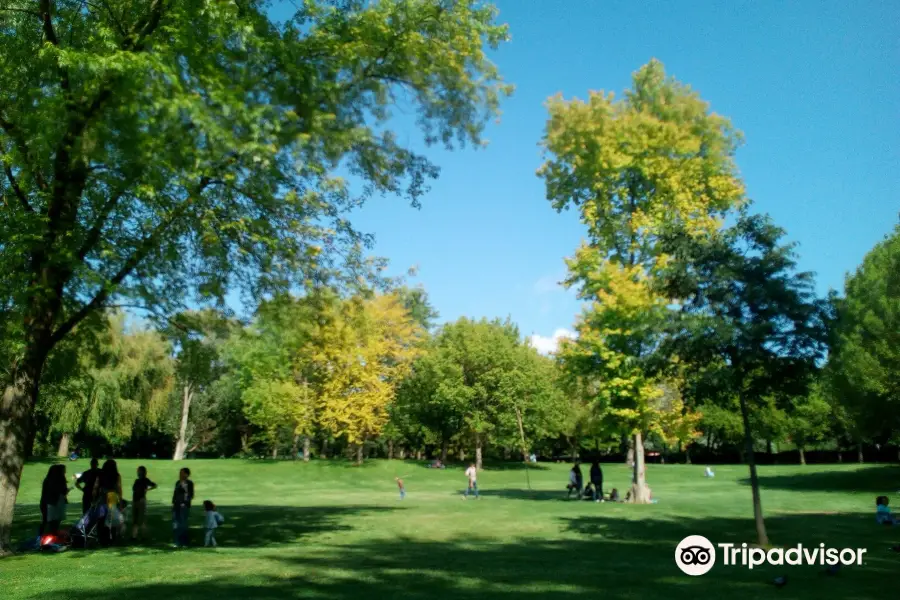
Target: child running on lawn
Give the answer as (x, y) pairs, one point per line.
(402, 489)
(213, 520)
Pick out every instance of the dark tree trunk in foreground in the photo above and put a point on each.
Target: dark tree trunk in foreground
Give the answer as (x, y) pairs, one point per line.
(16, 408)
(181, 444)
(762, 536)
(769, 447)
(63, 450)
(640, 493)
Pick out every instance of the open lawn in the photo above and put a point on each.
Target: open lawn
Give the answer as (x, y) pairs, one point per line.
(334, 531)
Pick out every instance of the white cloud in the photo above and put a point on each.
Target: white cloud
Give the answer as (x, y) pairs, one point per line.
(549, 345)
(549, 284)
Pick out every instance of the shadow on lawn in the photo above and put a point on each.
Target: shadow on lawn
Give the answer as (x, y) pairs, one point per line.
(245, 526)
(606, 557)
(876, 480)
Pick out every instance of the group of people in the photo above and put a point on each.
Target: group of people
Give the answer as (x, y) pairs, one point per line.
(593, 490)
(102, 487)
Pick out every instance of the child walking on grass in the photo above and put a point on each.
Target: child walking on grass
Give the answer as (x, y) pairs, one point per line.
(402, 488)
(213, 520)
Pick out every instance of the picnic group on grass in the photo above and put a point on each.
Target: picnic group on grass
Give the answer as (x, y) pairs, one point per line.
(104, 507)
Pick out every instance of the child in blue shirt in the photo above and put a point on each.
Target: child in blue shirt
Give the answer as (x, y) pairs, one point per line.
(883, 514)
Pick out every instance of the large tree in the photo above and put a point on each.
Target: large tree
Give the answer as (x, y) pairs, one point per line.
(864, 365)
(752, 326)
(656, 159)
(175, 149)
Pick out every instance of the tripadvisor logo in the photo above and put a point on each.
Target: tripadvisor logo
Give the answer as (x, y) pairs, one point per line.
(696, 555)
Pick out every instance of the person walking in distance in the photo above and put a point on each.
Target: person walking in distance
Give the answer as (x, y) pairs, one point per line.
(472, 476)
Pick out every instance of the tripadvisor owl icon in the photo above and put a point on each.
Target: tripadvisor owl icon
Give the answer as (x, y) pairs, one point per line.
(695, 555)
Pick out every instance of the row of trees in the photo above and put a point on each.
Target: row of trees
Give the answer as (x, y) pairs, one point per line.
(161, 156)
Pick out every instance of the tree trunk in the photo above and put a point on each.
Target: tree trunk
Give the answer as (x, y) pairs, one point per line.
(462, 455)
(274, 452)
(478, 461)
(859, 453)
(402, 453)
(63, 450)
(762, 536)
(324, 452)
(418, 455)
(802, 456)
(445, 450)
(629, 456)
(522, 435)
(181, 444)
(295, 447)
(390, 449)
(840, 457)
(305, 448)
(640, 493)
(359, 454)
(687, 455)
(769, 448)
(16, 408)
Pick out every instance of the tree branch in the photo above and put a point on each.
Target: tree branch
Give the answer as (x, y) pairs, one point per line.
(140, 253)
(93, 236)
(22, 146)
(49, 32)
(23, 199)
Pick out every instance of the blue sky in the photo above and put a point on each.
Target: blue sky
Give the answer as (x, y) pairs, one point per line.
(813, 85)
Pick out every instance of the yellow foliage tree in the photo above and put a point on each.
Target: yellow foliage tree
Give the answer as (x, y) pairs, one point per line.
(634, 168)
(366, 352)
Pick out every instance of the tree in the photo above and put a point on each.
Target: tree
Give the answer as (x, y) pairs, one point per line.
(634, 168)
(197, 337)
(747, 311)
(864, 365)
(416, 302)
(178, 150)
(366, 355)
(810, 420)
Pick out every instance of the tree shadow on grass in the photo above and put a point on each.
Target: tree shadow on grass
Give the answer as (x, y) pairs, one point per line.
(520, 494)
(244, 527)
(876, 480)
(593, 557)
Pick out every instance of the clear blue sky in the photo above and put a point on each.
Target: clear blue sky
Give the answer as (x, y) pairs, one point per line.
(813, 85)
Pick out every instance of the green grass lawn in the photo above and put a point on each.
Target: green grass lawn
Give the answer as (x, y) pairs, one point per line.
(332, 531)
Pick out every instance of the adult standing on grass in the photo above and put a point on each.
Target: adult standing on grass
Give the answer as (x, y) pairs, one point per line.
(597, 480)
(181, 507)
(472, 476)
(53, 499)
(85, 484)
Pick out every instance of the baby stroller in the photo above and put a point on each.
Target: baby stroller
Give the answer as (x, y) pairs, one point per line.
(86, 532)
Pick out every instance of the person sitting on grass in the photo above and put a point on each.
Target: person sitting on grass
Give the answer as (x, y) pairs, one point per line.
(709, 473)
(589, 492)
(883, 514)
(614, 496)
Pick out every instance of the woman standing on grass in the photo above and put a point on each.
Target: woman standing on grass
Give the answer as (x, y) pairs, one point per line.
(181, 507)
(53, 499)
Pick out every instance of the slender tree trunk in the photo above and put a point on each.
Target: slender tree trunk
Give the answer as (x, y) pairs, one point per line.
(478, 459)
(640, 494)
(687, 455)
(181, 443)
(295, 447)
(63, 450)
(522, 435)
(402, 453)
(802, 456)
(274, 452)
(16, 407)
(359, 454)
(769, 448)
(762, 536)
(629, 456)
(324, 451)
(840, 457)
(859, 453)
(462, 454)
(390, 449)
(445, 450)
(418, 454)
(305, 448)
